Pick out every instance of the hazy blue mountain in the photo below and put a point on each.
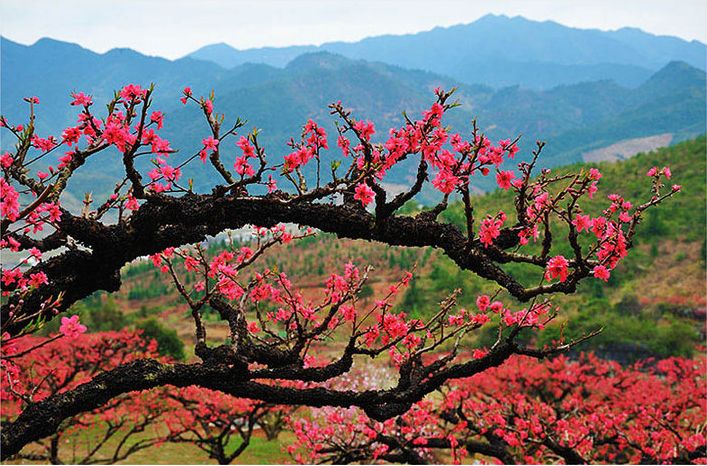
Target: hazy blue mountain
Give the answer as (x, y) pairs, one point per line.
(573, 118)
(501, 51)
(671, 101)
(52, 69)
(229, 57)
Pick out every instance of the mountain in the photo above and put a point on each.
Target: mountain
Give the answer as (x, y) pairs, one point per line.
(52, 69)
(228, 57)
(500, 51)
(574, 119)
(671, 102)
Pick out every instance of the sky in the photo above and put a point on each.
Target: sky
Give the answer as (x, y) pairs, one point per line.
(174, 28)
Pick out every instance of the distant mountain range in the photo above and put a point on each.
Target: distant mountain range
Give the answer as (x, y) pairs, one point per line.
(499, 51)
(576, 119)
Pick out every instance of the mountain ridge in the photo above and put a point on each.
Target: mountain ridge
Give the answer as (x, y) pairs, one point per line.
(499, 51)
(574, 118)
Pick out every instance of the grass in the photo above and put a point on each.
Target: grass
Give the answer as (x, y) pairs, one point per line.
(260, 450)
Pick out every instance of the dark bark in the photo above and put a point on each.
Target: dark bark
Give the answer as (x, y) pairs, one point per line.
(42, 419)
(168, 221)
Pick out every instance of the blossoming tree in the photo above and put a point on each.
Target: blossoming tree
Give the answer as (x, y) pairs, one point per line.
(529, 412)
(274, 352)
(219, 424)
(35, 369)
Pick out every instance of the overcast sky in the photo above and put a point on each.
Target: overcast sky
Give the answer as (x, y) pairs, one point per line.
(173, 28)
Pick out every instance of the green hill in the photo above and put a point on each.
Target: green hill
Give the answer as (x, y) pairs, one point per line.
(653, 304)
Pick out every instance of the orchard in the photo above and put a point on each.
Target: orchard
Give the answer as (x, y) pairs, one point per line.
(443, 398)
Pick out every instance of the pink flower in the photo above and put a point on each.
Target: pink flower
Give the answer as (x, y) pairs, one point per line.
(599, 226)
(246, 147)
(132, 203)
(52, 209)
(364, 193)
(118, 134)
(652, 172)
(242, 167)
(272, 184)
(38, 279)
(253, 327)
(582, 222)
(594, 174)
(71, 327)
(133, 92)
(365, 129)
(298, 158)
(348, 312)
(157, 117)
(503, 178)
(65, 159)
(9, 201)
(81, 99)
(433, 115)
(557, 268)
(344, 144)
(496, 307)
(209, 106)
(677, 187)
(48, 143)
(6, 160)
(170, 173)
(491, 229)
(601, 272)
(480, 319)
(482, 302)
(445, 182)
(456, 320)
(316, 135)
(210, 143)
(666, 171)
(71, 135)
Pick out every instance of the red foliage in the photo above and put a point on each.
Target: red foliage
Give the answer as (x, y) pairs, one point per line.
(276, 334)
(530, 411)
(58, 365)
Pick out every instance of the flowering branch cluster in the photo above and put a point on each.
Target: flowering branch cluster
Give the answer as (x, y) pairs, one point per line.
(34, 369)
(527, 411)
(275, 333)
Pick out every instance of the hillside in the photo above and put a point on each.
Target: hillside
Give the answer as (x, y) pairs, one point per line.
(574, 119)
(654, 303)
(148, 294)
(500, 51)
